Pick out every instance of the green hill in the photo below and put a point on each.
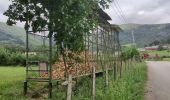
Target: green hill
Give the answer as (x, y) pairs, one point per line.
(145, 33)
(14, 35)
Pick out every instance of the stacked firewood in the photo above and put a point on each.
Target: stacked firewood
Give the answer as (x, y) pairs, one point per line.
(78, 64)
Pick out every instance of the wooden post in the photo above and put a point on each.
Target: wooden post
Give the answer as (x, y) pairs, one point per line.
(107, 77)
(94, 82)
(69, 88)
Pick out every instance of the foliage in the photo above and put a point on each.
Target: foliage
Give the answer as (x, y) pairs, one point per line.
(130, 87)
(69, 21)
(156, 42)
(11, 58)
(160, 47)
(8, 57)
(4, 54)
(129, 53)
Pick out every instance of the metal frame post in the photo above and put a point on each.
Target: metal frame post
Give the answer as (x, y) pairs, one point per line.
(50, 65)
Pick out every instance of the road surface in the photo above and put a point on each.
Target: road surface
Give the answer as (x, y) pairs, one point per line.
(158, 85)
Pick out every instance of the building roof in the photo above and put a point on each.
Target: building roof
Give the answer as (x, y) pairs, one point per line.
(116, 28)
(104, 15)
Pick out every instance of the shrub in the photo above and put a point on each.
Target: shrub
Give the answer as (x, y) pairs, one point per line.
(4, 55)
(7, 57)
(129, 53)
(17, 59)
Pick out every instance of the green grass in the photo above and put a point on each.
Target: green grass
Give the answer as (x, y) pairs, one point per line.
(130, 87)
(160, 53)
(11, 81)
(163, 54)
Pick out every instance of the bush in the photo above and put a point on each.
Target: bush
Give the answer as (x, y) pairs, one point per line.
(7, 57)
(4, 56)
(129, 53)
(17, 59)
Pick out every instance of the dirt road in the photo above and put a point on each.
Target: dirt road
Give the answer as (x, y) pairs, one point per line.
(158, 86)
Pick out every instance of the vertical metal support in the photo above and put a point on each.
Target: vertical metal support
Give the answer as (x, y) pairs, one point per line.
(50, 65)
(50, 90)
(106, 57)
(114, 70)
(25, 83)
(27, 50)
(93, 68)
(25, 88)
(112, 47)
(97, 43)
(107, 76)
(121, 68)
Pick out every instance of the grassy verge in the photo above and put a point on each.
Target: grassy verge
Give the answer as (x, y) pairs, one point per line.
(129, 87)
(165, 55)
(160, 53)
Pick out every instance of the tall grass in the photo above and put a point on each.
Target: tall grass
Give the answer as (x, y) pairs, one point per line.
(129, 87)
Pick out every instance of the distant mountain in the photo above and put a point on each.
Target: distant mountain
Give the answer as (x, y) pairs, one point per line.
(144, 33)
(14, 35)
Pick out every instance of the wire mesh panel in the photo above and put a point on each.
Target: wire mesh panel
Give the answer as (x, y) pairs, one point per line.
(38, 57)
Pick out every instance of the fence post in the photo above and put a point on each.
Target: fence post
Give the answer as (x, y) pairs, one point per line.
(69, 88)
(94, 82)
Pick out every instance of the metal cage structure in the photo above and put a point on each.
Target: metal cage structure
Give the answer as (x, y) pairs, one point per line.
(102, 54)
(38, 69)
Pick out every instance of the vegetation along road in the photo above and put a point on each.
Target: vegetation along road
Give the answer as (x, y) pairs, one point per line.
(158, 86)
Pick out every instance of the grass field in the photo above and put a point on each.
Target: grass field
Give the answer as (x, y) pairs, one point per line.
(130, 87)
(161, 54)
(11, 81)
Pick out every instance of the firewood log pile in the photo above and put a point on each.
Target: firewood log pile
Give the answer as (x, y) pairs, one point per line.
(77, 64)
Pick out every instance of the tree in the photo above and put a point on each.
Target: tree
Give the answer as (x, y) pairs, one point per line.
(69, 21)
(129, 53)
(156, 42)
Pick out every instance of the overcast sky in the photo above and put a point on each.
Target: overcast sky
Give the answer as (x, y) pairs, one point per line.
(135, 11)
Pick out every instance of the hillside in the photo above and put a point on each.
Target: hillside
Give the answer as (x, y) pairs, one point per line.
(14, 35)
(144, 34)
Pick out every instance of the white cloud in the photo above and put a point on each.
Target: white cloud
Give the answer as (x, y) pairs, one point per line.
(141, 12)
(136, 11)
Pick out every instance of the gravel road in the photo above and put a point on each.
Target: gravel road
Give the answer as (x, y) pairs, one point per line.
(158, 85)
